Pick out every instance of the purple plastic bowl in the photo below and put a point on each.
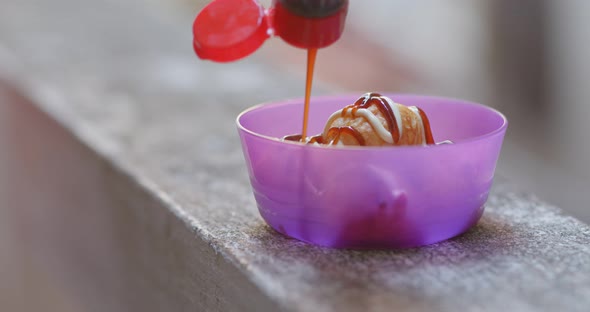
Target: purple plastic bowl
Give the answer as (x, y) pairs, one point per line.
(372, 197)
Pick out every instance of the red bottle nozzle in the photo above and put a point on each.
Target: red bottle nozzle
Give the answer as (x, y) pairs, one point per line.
(227, 30)
(310, 23)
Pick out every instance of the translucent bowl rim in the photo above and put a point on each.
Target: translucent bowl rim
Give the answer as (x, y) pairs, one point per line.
(291, 101)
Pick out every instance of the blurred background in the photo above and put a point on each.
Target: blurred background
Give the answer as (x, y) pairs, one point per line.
(526, 58)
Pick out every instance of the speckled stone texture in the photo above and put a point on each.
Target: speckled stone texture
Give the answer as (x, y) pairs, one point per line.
(138, 106)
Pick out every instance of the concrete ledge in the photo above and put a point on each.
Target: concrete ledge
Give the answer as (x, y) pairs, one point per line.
(122, 187)
(96, 237)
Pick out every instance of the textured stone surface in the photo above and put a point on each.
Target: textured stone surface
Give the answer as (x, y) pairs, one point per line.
(135, 95)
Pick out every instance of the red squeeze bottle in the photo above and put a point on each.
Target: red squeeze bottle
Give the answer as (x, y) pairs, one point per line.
(228, 30)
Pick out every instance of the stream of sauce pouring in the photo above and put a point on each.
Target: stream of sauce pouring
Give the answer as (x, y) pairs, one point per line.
(311, 56)
(333, 135)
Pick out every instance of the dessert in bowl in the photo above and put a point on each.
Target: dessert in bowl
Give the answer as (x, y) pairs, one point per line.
(360, 187)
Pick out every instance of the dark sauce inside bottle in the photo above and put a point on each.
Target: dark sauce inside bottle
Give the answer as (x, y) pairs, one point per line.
(313, 8)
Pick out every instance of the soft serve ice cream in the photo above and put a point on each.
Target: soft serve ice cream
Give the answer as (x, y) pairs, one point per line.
(374, 120)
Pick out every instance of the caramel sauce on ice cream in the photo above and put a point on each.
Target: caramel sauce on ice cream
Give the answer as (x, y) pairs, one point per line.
(374, 120)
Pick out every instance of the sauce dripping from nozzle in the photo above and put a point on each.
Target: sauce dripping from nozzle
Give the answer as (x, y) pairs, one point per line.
(311, 56)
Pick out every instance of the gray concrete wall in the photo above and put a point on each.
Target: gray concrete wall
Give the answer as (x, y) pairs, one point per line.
(78, 234)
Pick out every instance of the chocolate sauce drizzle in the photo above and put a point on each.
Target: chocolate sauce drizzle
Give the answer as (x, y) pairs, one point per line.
(333, 135)
(426, 124)
(377, 99)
